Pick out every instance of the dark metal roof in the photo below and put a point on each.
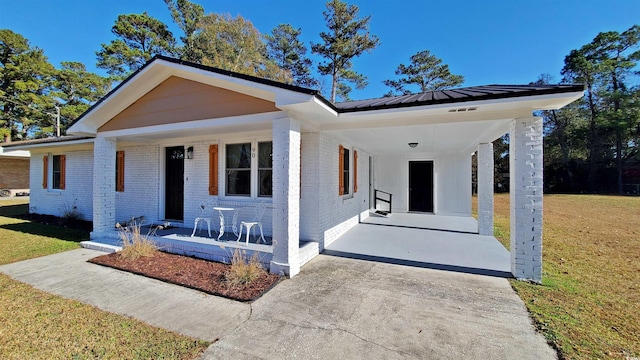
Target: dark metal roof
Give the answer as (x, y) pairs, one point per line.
(427, 98)
(472, 93)
(44, 141)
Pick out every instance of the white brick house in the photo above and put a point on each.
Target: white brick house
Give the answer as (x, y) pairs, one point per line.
(315, 163)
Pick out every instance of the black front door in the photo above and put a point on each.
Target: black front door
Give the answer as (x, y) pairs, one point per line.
(421, 186)
(174, 183)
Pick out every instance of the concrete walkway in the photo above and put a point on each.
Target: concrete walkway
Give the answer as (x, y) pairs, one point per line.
(335, 308)
(176, 308)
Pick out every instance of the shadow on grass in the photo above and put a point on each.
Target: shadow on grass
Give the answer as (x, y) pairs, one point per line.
(14, 211)
(52, 231)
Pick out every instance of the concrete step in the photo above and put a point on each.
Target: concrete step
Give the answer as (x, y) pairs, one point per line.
(100, 246)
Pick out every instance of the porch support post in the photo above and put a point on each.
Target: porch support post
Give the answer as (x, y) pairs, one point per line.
(485, 189)
(525, 163)
(104, 186)
(286, 197)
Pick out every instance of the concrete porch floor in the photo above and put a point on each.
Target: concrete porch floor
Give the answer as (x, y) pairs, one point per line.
(178, 240)
(400, 240)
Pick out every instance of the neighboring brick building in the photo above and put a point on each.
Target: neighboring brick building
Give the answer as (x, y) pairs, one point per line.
(14, 171)
(176, 133)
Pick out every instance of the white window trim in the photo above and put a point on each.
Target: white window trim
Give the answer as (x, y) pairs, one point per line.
(222, 170)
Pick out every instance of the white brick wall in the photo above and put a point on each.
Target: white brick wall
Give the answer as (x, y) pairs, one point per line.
(339, 213)
(141, 195)
(452, 180)
(78, 190)
(286, 196)
(310, 192)
(104, 185)
(196, 187)
(525, 163)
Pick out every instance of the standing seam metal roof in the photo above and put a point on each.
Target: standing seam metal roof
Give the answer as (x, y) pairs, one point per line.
(472, 93)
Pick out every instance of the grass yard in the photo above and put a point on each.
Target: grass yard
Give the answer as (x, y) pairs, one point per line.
(37, 325)
(588, 305)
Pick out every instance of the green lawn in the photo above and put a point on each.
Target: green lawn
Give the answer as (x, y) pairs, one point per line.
(588, 305)
(37, 325)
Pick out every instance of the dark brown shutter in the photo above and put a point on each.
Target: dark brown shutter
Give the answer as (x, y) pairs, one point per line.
(120, 171)
(341, 170)
(63, 166)
(355, 171)
(213, 169)
(45, 171)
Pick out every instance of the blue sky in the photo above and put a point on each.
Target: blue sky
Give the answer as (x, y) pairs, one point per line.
(488, 42)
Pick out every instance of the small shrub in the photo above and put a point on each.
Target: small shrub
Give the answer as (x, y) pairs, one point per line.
(243, 271)
(70, 215)
(134, 243)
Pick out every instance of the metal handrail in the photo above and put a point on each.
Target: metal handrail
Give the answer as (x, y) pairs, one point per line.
(376, 198)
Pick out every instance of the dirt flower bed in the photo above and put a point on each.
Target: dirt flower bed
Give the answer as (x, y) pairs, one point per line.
(203, 275)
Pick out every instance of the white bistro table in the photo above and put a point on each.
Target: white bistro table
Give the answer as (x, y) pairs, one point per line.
(222, 211)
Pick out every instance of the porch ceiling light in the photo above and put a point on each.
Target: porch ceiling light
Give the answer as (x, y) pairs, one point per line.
(413, 145)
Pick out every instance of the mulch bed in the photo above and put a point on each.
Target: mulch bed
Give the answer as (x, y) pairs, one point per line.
(203, 275)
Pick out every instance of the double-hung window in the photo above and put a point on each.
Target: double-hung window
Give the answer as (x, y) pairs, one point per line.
(248, 169)
(347, 171)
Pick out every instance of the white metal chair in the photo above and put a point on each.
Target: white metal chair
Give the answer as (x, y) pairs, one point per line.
(259, 212)
(206, 214)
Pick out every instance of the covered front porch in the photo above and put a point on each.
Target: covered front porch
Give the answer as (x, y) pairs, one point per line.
(178, 240)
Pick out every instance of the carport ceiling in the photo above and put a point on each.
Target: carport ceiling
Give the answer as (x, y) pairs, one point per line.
(448, 137)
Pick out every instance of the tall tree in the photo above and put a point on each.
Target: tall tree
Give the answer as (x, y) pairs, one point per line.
(75, 89)
(616, 57)
(603, 66)
(139, 38)
(348, 37)
(187, 16)
(233, 43)
(286, 50)
(426, 72)
(25, 79)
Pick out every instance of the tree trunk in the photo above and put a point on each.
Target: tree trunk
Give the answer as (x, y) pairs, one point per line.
(593, 141)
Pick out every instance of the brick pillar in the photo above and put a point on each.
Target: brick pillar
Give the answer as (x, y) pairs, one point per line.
(286, 197)
(525, 163)
(104, 186)
(485, 189)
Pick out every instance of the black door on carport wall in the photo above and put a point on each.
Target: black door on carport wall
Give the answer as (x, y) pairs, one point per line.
(421, 186)
(174, 183)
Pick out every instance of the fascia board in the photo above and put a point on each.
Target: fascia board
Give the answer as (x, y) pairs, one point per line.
(55, 145)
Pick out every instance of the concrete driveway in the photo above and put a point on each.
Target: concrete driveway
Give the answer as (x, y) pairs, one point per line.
(335, 308)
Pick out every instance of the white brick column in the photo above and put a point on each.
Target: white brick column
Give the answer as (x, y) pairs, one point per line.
(485, 189)
(525, 164)
(286, 197)
(104, 186)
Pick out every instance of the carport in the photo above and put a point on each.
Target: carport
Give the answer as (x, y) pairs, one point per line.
(421, 150)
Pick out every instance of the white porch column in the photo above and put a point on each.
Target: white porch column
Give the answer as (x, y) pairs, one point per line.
(286, 197)
(104, 186)
(525, 163)
(485, 189)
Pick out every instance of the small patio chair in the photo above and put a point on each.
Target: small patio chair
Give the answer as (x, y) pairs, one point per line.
(259, 212)
(206, 215)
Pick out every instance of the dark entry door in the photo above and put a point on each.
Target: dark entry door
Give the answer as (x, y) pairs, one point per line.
(174, 183)
(421, 186)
